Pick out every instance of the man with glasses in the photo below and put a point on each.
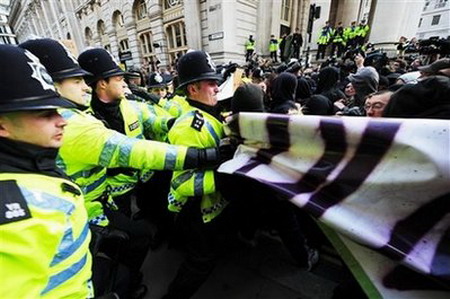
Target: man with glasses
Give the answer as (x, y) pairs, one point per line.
(375, 103)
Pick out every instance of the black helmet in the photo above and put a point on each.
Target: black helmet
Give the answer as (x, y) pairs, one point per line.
(100, 63)
(133, 73)
(156, 80)
(25, 83)
(168, 78)
(56, 58)
(195, 66)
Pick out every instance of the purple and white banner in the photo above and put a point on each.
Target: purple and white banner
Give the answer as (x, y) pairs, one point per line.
(380, 183)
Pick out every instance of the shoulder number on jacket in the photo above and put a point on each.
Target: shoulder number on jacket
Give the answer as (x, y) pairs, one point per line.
(198, 121)
(13, 206)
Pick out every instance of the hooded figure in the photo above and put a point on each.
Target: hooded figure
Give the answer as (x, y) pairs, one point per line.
(430, 98)
(318, 105)
(327, 79)
(282, 92)
(248, 98)
(303, 90)
(365, 82)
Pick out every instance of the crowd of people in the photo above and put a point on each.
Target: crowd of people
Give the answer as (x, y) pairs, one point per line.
(82, 138)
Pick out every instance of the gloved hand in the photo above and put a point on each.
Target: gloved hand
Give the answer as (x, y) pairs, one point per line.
(227, 148)
(100, 233)
(210, 157)
(229, 69)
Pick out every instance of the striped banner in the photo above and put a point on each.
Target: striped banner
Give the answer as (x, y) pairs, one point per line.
(379, 187)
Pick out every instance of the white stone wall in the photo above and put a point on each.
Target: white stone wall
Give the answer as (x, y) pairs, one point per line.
(393, 19)
(426, 30)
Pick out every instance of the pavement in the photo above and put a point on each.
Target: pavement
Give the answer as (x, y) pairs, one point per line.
(264, 271)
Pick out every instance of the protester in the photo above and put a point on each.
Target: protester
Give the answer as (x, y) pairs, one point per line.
(282, 93)
(376, 102)
(429, 98)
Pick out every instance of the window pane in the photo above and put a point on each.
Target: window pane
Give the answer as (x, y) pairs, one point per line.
(170, 36)
(435, 20)
(178, 35)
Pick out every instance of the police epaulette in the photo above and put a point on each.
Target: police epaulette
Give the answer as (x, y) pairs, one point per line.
(198, 121)
(69, 188)
(13, 205)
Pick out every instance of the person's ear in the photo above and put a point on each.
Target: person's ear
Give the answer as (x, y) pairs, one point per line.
(192, 89)
(101, 84)
(4, 132)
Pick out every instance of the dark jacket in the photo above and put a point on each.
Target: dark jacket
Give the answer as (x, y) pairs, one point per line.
(430, 98)
(282, 92)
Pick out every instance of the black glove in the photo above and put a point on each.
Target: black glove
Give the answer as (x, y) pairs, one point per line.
(210, 157)
(100, 233)
(202, 158)
(227, 148)
(229, 69)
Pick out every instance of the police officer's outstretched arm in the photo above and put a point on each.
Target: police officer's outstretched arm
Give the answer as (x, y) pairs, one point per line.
(96, 145)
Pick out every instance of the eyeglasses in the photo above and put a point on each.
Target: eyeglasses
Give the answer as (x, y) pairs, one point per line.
(374, 106)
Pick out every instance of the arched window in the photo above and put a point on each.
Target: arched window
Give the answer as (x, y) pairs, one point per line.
(118, 20)
(140, 9)
(168, 4)
(101, 30)
(68, 36)
(88, 36)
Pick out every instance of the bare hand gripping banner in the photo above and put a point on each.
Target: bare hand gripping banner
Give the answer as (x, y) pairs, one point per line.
(379, 187)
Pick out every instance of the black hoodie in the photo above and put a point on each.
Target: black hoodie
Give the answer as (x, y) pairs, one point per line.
(283, 93)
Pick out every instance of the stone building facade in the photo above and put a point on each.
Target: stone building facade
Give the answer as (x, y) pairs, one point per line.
(434, 20)
(7, 36)
(144, 32)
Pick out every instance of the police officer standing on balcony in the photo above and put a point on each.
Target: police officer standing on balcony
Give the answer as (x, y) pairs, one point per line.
(44, 248)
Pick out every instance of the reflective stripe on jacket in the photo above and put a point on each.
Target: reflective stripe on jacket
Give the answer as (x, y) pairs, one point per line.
(89, 148)
(196, 183)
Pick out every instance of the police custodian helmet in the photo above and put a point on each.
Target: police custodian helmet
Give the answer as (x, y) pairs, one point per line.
(100, 64)
(195, 66)
(59, 62)
(25, 84)
(156, 80)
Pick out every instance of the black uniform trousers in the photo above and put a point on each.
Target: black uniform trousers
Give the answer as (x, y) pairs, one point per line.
(128, 255)
(273, 56)
(321, 51)
(248, 55)
(200, 242)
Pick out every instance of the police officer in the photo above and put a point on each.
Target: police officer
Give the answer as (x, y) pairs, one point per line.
(324, 39)
(338, 41)
(140, 94)
(362, 30)
(273, 48)
(44, 248)
(194, 194)
(249, 48)
(350, 36)
(157, 84)
(90, 148)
